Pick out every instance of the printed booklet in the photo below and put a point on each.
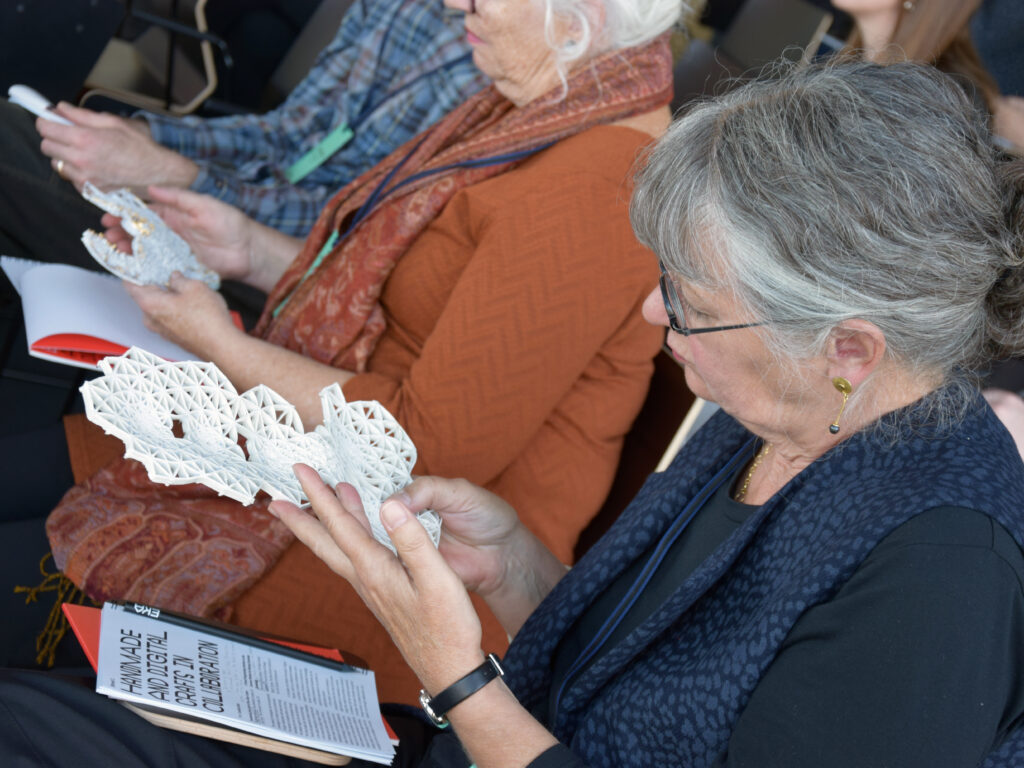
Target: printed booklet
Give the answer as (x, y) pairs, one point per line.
(182, 673)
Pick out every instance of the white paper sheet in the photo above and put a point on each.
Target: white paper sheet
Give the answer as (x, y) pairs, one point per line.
(157, 660)
(57, 298)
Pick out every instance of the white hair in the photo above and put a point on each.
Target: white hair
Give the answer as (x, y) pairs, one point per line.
(627, 23)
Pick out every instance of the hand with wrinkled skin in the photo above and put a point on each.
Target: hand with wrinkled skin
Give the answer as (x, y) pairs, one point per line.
(216, 232)
(187, 312)
(421, 601)
(221, 236)
(478, 531)
(418, 598)
(486, 545)
(110, 151)
(482, 543)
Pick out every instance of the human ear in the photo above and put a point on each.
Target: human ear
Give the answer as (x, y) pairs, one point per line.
(568, 29)
(854, 350)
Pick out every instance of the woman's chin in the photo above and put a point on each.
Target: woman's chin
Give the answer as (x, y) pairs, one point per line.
(696, 384)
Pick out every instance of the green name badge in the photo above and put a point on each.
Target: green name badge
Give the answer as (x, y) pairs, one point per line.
(316, 157)
(328, 247)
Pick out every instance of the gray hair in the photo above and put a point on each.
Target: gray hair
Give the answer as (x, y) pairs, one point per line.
(850, 190)
(627, 23)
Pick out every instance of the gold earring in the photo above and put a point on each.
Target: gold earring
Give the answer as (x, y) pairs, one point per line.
(845, 388)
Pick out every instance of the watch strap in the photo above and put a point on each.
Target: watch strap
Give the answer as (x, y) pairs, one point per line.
(438, 706)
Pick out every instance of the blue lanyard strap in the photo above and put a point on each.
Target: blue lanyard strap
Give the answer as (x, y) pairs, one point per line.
(662, 549)
(382, 190)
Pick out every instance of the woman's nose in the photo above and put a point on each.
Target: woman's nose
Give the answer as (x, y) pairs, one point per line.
(653, 308)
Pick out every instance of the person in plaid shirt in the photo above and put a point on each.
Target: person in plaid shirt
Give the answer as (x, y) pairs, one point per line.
(393, 68)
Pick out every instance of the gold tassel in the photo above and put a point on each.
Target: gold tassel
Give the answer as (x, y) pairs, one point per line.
(56, 623)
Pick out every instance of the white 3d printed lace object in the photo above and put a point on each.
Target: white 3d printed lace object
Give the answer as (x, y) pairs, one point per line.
(157, 250)
(139, 399)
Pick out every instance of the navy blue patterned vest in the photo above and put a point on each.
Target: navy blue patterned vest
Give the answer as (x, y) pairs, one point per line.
(671, 692)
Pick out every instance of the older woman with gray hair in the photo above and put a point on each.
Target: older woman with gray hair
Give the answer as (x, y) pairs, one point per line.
(830, 572)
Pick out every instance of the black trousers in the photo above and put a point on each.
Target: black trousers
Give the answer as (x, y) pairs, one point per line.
(56, 720)
(42, 216)
(34, 468)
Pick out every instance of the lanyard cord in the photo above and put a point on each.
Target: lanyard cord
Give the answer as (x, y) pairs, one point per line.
(382, 191)
(674, 531)
(369, 105)
(365, 109)
(338, 136)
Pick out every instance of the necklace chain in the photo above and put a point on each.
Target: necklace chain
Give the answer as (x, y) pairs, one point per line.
(741, 494)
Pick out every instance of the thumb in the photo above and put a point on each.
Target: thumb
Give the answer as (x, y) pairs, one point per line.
(411, 539)
(144, 295)
(183, 199)
(178, 208)
(85, 117)
(180, 284)
(173, 196)
(177, 282)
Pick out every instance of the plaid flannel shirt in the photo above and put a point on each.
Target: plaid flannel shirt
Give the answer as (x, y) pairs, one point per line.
(394, 68)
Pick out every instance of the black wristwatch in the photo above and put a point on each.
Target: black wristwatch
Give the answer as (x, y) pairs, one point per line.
(438, 706)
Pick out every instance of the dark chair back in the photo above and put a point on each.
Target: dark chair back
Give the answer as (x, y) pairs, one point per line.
(668, 400)
(52, 46)
(761, 32)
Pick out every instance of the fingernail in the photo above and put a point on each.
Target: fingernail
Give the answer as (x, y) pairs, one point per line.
(271, 510)
(394, 515)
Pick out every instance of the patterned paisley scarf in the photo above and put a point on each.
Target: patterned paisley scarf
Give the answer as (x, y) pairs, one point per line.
(119, 536)
(332, 315)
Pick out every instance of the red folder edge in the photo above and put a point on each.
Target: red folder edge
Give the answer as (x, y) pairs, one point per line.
(78, 346)
(85, 623)
(91, 349)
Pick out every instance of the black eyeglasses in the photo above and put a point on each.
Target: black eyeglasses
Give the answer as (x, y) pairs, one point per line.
(459, 12)
(676, 315)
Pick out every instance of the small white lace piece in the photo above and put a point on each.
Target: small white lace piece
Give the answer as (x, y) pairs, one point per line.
(157, 250)
(141, 398)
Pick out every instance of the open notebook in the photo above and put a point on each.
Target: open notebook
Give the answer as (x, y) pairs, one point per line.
(77, 317)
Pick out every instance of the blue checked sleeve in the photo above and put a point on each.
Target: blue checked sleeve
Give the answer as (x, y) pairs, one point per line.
(393, 69)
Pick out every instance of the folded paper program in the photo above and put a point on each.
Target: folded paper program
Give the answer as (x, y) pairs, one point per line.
(185, 423)
(157, 251)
